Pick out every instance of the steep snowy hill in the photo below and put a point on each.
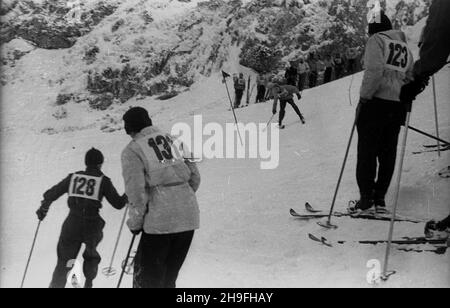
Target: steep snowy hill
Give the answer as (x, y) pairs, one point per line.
(247, 238)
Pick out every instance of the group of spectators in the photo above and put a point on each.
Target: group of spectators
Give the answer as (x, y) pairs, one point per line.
(316, 69)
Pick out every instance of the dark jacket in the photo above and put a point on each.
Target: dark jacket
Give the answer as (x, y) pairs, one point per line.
(83, 206)
(435, 47)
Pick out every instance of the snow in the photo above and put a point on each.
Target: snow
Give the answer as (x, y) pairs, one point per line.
(247, 237)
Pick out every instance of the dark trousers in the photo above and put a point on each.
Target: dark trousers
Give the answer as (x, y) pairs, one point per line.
(260, 94)
(76, 231)
(301, 81)
(238, 97)
(283, 104)
(312, 79)
(159, 259)
(378, 127)
(327, 75)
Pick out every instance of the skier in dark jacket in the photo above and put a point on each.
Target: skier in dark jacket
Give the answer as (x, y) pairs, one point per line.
(291, 74)
(285, 94)
(84, 225)
(434, 54)
(239, 88)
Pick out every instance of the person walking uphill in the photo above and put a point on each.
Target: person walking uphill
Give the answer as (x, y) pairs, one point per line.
(84, 225)
(161, 186)
(381, 114)
(285, 94)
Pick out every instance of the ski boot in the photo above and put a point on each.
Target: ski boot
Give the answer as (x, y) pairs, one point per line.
(361, 207)
(380, 206)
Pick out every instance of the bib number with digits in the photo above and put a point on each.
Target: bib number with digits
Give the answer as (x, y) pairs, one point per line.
(159, 148)
(397, 56)
(85, 186)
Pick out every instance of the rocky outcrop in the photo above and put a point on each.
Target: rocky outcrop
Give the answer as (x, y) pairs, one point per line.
(52, 24)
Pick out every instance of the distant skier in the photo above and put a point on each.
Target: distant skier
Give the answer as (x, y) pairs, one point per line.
(239, 88)
(381, 113)
(84, 225)
(161, 186)
(338, 66)
(328, 69)
(291, 74)
(313, 70)
(352, 56)
(285, 94)
(261, 88)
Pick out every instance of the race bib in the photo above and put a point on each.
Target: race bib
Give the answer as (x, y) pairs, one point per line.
(396, 55)
(159, 150)
(85, 186)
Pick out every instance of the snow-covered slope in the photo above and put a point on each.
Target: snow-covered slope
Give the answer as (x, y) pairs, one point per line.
(247, 238)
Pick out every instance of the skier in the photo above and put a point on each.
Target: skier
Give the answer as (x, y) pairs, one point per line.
(291, 74)
(303, 70)
(352, 56)
(284, 93)
(86, 190)
(328, 69)
(313, 70)
(161, 188)
(239, 88)
(381, 113)
(434, 54)
(338, 66)
(261, 88)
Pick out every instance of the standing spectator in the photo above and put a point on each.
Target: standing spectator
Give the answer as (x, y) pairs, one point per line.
(239, 88)
(338, 66)
(328, 69)
(303, 70)
(261, 88)
(320, 69)
(313, 70)
(352, 56)
(161, 186)
(291, 74)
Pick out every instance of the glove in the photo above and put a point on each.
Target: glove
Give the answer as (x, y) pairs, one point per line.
(274, 110)
(136, 232)
(430, 226)
(43, 210)
(299, 96)
(410, 90)
(363, 100)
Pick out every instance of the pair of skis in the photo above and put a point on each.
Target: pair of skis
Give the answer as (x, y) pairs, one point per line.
(439, 243)
(317, 214)
(433, 148)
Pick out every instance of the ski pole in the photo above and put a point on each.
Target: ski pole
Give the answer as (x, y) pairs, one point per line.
(386, 275)
(31, 252)
(271, 118)
(126, 261)
(109, 271)
(436, 117)
(232, 107)
(328, 223)
(428, 135)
